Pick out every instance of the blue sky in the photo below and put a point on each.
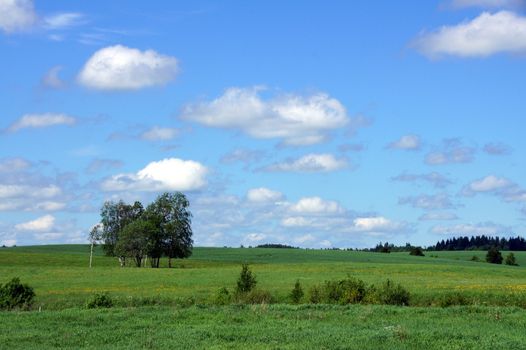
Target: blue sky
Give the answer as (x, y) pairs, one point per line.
(316, 124)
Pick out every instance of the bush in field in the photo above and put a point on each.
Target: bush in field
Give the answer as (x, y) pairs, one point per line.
(297, 293)
(246, 281)
(454, 299)
(14, 294)
(494, 256)
(222, 297)
(416, 251)
(315, 295)
(99, 300)
(257, 296)
(392, 294)
(510, 260)
(475, 258)
(347, 291)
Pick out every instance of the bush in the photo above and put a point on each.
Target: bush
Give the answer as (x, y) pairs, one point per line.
(475, 258)
(347, 291)
(454, 299)
(257, 296)
(416, 251)
(393, 294)
(315, 295)
(510, 260)
(246, 281)
(297, 293)
(99, 300)
(16, 295)
(222, 297)
(494, 256)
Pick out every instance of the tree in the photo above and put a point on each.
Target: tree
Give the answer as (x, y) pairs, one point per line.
(170, 211)
(416, 251)
(494, 256)
(246, 281)
(133, 240)
(114, 217)
(297, 293)
(510, 260)
(95, 236)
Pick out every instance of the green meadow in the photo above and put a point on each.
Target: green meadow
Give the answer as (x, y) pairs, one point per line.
(163, 307)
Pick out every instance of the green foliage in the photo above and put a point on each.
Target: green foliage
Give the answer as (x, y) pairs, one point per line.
(222, 297)
(297, 293)
(315, 295)
(393, 294)
(134, 240)
(416, 251)
(114, 217)
(347, 291)
(475, 258)
(256, 296)
(246, 281)
(99, 300)
(494, 256)
(453, 299)
(510, 260)
(15, 295)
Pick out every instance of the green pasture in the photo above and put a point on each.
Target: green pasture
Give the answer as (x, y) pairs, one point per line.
(62, 279)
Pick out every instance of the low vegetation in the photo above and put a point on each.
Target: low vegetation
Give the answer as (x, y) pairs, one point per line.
(15, 295)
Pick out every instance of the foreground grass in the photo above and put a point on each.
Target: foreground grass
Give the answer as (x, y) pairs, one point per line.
(62, 279)
(267, 327)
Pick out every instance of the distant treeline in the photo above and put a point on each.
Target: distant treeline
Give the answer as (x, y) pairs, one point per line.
(481, 243)
(276, 245)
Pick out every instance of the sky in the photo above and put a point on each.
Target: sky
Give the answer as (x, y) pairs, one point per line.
(317, 124)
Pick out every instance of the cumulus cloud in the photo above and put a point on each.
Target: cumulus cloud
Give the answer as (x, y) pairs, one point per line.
(263, 195)
(41, 121)
(438, 216)
(502, 187)
(122, 68)
(428, 202)
(487, 228)
(376, 224)
(309, 163)
(407, 143)
(451, 152)
(17, 15)
(433, 178)
(157, 133)
(43, 223)
(497, 149)
(485, 35)
(316, 205)
(171, 174)
(297, 120)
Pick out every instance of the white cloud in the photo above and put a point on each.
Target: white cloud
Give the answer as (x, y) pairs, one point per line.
(436, 179)
(263, 195)
(407, 142)
(10, 191)
(316, 205)
(11, 165)
(308, 238)
(254, 238)
(44, 223)
(297, 120)
(159, 134)
(52, 78)
(497, 149)
(502, 187)
(487, 228)
(122, 68)
(428, 202)
(374, 224)
(296, 221)
(438, 216)
(310, 163)
(41, 121)
(17, 15)
(487, 3)
(63, 20)
(171, 174)
(451, 152)
(489, 184)
(487, 34)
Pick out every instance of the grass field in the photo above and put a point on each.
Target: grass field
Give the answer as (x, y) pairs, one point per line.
(166, 307)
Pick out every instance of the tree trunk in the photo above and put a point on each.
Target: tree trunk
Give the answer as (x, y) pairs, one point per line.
(122, 261)
(91, 255)
(169, 262)
(138, 260)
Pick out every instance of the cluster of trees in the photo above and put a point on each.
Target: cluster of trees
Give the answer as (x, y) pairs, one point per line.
(163, 228)
(481, 243)
(276, 245)
(389, 247)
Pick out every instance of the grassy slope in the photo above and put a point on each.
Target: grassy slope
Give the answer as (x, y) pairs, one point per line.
(61, 278)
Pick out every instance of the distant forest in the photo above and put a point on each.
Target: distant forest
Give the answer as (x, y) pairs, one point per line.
(481, 243)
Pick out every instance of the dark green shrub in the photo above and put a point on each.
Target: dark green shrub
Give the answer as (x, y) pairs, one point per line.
(315, 295)
(257, 296)
(99, 300)
(14, 294)
(453, 299)
(475, 258)
(416, 251)
(246, 281)
(222, 297)
(510, 260)
(393, 294)
(297, 293)
(494, 256)
(347, 291)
